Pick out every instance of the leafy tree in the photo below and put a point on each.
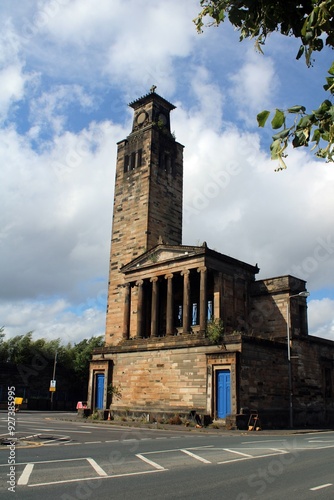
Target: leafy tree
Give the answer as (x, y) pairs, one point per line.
(82, 353)
(34, 359)
(311, 21)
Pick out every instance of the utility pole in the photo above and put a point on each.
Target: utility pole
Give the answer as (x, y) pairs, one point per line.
(53, 381)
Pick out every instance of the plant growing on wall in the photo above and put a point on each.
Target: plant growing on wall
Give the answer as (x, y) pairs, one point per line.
(215, 331)
(115, 392)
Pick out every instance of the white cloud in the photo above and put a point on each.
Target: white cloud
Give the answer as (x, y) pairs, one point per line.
(56, 56)
(13, 79)
(321, 321)
(49, 111)
(51, 320)
(253, 85)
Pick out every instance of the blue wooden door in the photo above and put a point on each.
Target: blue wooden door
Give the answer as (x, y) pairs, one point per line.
(223, 384)
(99, 393)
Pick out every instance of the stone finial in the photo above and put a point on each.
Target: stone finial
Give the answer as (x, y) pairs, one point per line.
(152, 89)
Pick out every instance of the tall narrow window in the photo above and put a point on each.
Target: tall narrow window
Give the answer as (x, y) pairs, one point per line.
(194, 314)
(132, 161)
(209, 315)
(139, 157)
(126, 163)
(179, 315)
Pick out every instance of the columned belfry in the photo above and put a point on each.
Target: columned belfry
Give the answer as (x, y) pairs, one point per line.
(147, 199)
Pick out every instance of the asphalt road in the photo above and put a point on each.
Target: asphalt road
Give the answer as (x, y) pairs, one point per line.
(78, 460)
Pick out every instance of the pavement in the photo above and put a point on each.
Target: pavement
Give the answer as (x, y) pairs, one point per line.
(214, 428)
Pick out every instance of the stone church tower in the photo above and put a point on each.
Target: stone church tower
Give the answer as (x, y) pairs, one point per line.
(148, 196)
(165, 297)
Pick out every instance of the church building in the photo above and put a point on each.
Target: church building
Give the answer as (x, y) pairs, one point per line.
(189, 329)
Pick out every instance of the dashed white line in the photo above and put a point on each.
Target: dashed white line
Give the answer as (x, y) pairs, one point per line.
(150, 462)
(95, 478)
(24, 478)
(238, 453)
(201, 459)
(92, 442)
(96, 467)
(321, 486)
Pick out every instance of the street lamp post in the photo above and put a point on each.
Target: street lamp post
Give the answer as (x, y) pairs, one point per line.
(300, 294)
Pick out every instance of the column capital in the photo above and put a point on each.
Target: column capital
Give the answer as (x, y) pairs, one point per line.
(168, 276)
(202, 269)
(154, 279)
(185, 272)
(139, 282)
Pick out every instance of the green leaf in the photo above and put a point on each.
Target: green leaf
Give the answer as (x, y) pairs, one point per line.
(331, 70)
(300, 139)
(297, 109)
(278, 119)
(262, 118)
(316, 136)
(300, 52)
(283, 134)
(306, 121)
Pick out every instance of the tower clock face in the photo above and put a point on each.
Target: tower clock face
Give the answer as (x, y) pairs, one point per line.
(141, 117)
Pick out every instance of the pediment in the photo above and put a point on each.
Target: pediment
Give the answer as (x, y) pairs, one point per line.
(162, 254)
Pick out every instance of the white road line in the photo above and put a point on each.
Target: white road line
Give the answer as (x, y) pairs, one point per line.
(238, 453)
(95, 478)
(264, 441)
(150, 462)
(113, 441)
(24, 478)
(92, 442)
(321, 486)
(284, 452)
(201, 459)
(96, 467)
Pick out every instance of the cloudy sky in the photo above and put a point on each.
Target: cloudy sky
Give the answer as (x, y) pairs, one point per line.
(68, 70)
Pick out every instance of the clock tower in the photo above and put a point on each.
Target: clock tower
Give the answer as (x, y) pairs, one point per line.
(147, 199)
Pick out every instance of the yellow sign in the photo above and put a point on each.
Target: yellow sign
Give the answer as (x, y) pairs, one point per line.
(52, 386)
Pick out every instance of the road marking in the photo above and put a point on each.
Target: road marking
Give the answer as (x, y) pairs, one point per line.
(92, 442)
(321, 486)
(264, 441)
(238, 453)
(201, 459)
(96, 467)
(150, 462)
(24, 478)
(113, 441)
(95, 478)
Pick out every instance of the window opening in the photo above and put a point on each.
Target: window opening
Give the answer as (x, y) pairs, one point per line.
(194, 314)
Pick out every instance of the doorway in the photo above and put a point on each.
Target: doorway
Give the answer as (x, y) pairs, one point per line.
(99, 391)
(223, 393)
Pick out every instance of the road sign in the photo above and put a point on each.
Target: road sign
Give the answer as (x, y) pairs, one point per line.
(52, 386)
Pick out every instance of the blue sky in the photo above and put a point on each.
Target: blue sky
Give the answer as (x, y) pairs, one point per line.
(68, 71)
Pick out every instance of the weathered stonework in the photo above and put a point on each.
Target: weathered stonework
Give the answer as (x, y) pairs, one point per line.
(162, 294)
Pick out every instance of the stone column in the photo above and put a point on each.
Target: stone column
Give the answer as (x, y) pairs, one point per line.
(154, 307)
(140, 309)
(127, 307)
(202, 299)
(169, 306)
(186, 301)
